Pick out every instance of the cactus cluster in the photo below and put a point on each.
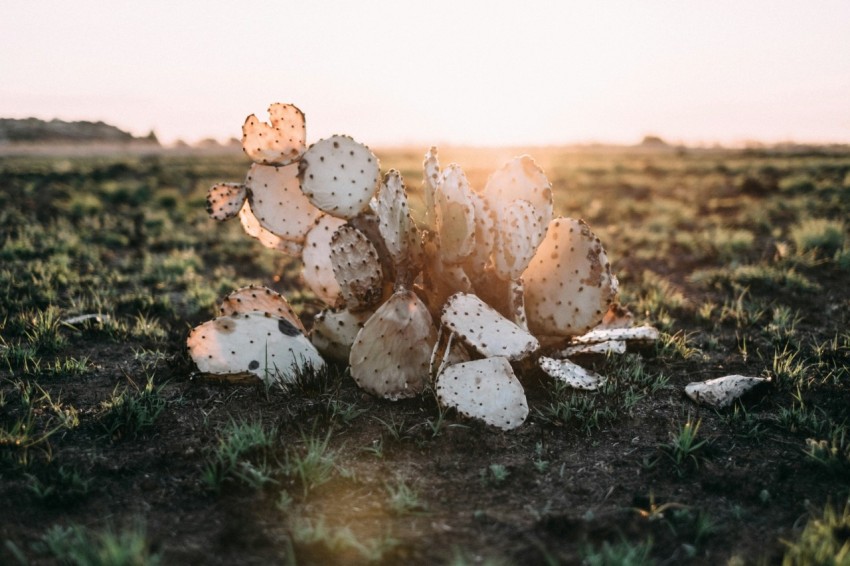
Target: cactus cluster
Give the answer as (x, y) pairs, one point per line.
(489, 281)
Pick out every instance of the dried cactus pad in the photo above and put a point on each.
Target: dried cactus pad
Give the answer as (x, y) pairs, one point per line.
(568, 284)
(391, 354)
(224, 200)
(253, 228)
(339, 175)
(521, 179)
(721, 392)
(430, 181)
(267, 346)
(572, 374)
(484, 389)
(279, 143)
(278, 203)
(394, 221)
(357, 268)
(256, 298)
(455, 215)
(318, 271)
(632, 334)
(485, 330)
(517, 240)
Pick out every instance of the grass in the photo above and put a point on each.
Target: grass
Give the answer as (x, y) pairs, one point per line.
(734, 255)
(824, 540)
(244, 447)
(132, 411)
(622, 553)
(75, 544)
(685, 448)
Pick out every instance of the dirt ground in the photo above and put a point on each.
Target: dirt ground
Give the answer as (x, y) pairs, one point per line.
(409, 483)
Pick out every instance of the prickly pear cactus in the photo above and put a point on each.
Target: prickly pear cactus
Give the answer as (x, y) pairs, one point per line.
(453, 304)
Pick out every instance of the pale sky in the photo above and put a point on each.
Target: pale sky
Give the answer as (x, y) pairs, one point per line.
(523, 72)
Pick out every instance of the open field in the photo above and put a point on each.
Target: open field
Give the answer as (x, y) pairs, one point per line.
(113, 450)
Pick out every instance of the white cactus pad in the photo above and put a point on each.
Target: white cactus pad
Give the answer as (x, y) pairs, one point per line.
(517, 240)
(224, 200)
(485, 330)
(391, 354)
(455, 215)
(447, 352)
(339, 175)
(335, 331)
(486, 390)
(521, 179)
(604, 348)
(394, 221)
(485, 234)
(572, 374)
(721, 392)
(633, 334)
(256, 298)
(278, 203)
(279, 143)
(253, 228)
(568, 284)
(430, 181)
(267, 346)
(357, 268)
(318, 270)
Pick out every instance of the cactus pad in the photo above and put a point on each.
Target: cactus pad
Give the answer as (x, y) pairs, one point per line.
(521, 179)
(455, 215)
(278, 203)
(253, 228)
(568, 284)
(485, 330)
(486, 390)
(256, 298)
(572, 374)
(279, 143)
(394, 223)
(318, 271)
(430, 181)
(517, 240)
(335, 331)
(339, 176)
(224, 200)
(721, 392)
(357, 268)
(391, 355)
(271, 348)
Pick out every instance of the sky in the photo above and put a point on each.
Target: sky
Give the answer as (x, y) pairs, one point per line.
(465, 72)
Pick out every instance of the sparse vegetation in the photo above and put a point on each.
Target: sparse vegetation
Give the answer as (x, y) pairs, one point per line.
(736, 256)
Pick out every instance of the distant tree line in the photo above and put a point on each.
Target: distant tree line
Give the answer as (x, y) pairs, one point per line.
(35, 130)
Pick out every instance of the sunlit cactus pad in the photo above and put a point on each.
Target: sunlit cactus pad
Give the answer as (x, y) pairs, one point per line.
(459, 304)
